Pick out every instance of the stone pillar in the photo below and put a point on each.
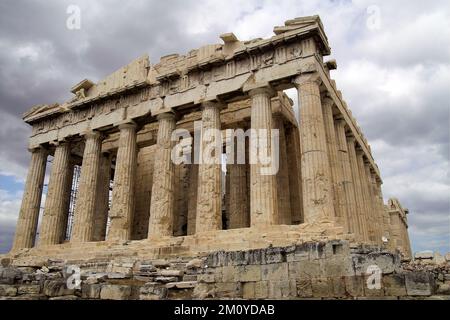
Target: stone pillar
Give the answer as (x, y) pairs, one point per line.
(122, 206)
(102, 203)
(181, 199)
(378, 210)
(384, 213)
(192, 198)
(336, 169)
(209, 196)
(162, 202)
(348, 202)
(368, 211)
(54, 219)
(238, 203)
(362, 222)
(283, 192)
(316, 175)
(263, 187)
(295, 176)
(87, 189)
(31, 202)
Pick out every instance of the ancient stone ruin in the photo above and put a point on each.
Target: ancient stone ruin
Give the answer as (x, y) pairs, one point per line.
(119, 206)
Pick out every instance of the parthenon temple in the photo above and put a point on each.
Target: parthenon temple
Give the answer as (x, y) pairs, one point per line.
(114, 187)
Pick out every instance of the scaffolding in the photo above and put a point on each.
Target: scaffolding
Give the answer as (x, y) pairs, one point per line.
(73, 198)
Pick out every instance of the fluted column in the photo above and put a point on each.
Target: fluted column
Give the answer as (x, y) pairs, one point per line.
(348, 202)
(283, 192)
(162, 202)
(263, 187)
(192, 198)
(336, 170)
(102, 204)
(87, 189)
(238, 203)
(368, 211)
(122, 206)
(295, 177)
(31, 201)
(362, 222)
(378, 213)
(209, 196)
(53, 227)
(316, 175)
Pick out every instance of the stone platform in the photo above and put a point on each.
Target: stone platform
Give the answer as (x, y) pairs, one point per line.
(333, 269)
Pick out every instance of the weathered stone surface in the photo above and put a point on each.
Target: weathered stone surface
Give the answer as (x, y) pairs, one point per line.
(394, 285)
(274, 272)
(423, 255)
(28, 289)
(419, 283)
(115, 292)
(91, 291)
(56, 288)
(8, 291)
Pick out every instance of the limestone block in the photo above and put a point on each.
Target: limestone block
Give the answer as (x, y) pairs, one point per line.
(190, 277)
(181, 285)
(115, 292)
(297, 253)
(203, 291)
(275, 272)
(91, 291)
(28, 289)
(372, 291)
(424, 255)
(151, 291)
(443, 289)
(321, 287)
(7, 291)
(68, 297)
(354, 285)
(394, 285)
(304, 288)
(166, 279)
(249, 273)
(228, 289)
(419, 283)
(171, 273)
(56, 288)
(305, 269)
(338, 285)
(339, 266)
(387, 262)
(230, 274)
(282, 289)
(10, 275)
(194, 263)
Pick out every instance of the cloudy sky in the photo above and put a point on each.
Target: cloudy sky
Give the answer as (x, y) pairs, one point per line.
(393, 69)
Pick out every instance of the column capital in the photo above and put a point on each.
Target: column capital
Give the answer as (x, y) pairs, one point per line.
(166, 115)
(263, 90)
(301, 79)
(61, 142)
(212, 104)
(351, 139)
(92, 134)
(39, 148)
(127, 125)
(327, 101)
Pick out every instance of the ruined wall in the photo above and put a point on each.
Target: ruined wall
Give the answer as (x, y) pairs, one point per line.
(318, 270)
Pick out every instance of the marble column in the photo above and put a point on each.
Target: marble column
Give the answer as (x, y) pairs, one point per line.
(31, 201)
(102, 203)
(336, 169)
(209, 196)
(263, 187)
(122, 206)
(283, 192)
(53, 228)
(192, 198)
(316, 176)
(348, 202)
(162, 202)
(295, 177)
(238, 203)
(368, 212)
(377, 205)
(362, 222)
(87, 189)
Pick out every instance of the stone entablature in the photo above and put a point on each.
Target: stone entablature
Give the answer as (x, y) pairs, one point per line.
(121, 128)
